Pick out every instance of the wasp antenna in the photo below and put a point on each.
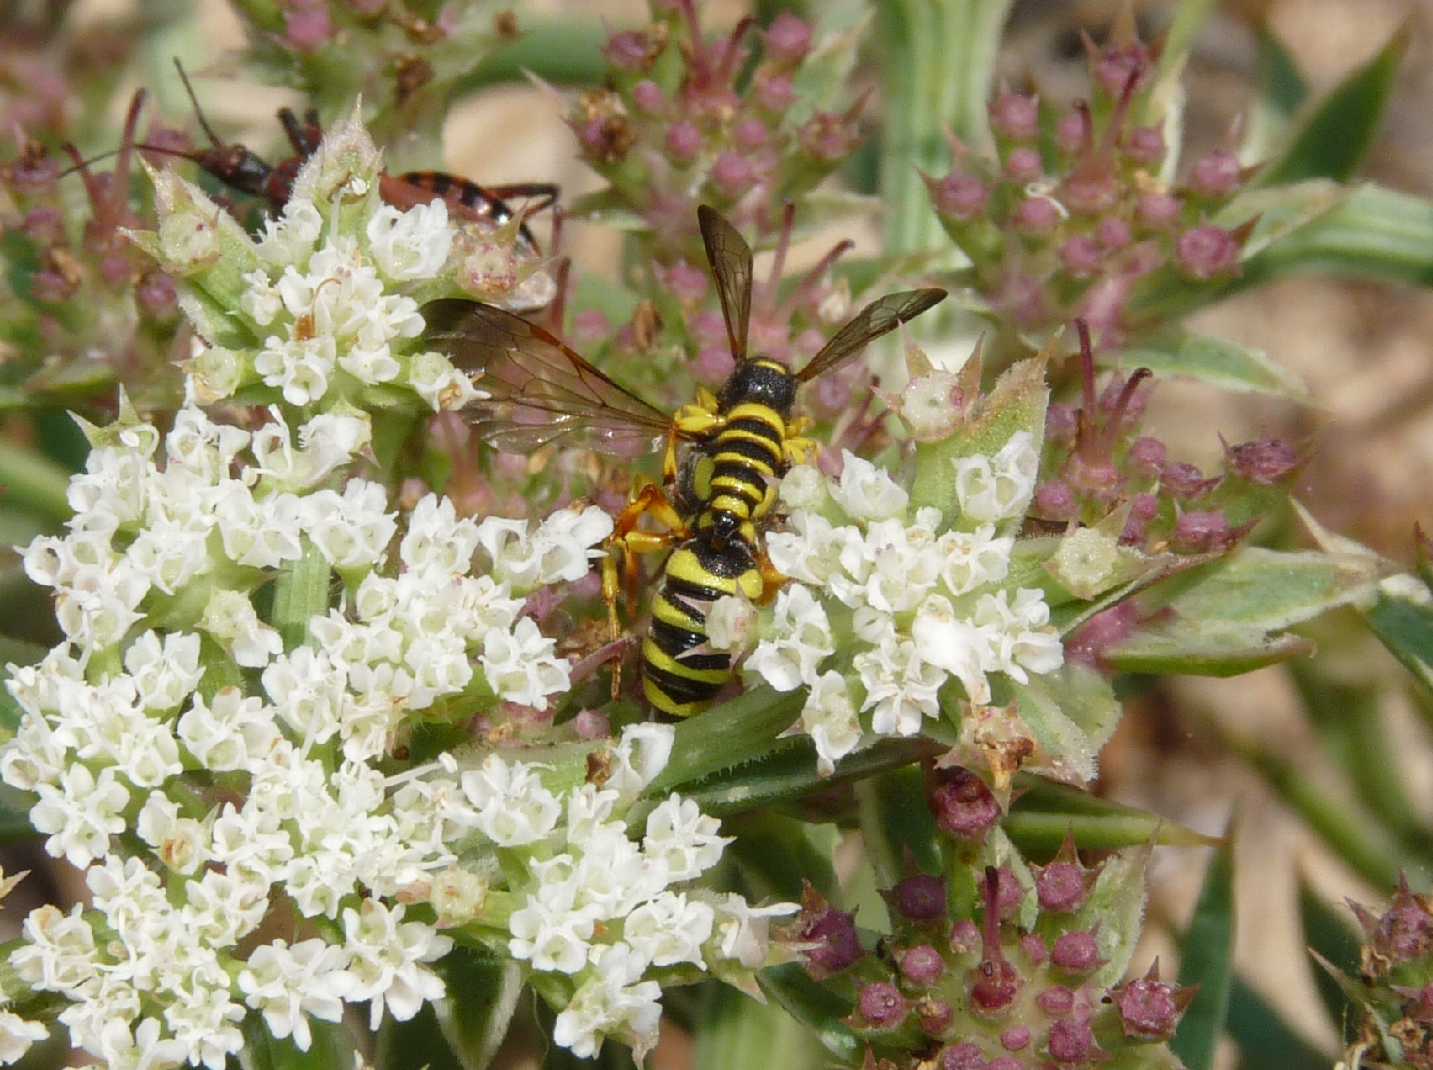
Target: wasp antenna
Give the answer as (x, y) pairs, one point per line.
(80, 164)
(194, 100)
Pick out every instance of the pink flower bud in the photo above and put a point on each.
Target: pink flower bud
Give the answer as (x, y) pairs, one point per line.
(592, 725)
(1037, 215)
(1157, 211)
(590, 326)
(964, 807)
(881, 1005)
(1005, 1062)
(683, 141)
(1071, 1041)
(1057, 1001)
(1113, 233)
(1117, 66)
(1216, 175)
(775, 93)
(1200, 530)
(1034, 949)
(834, 934)
(788, 39)
(961, 196)
(732, 175)
(1023, 165)
(964, 937)
(922, 965)
(1060, 887)
(649, 98)
(1016, 1038)
(1072, 132)
(1090, 192)
(1054, 500)
(1146, 455)
(1148, 1009)
(1183, 480)
(629, 50)
(829, 137)
(1266, 462)
(1207, 252)
(964, 1056)
(1076, 952)
(750, 134)
(1081, 256)
(1015, 116)
(308, 26)
(1145, 145)
(935, 1015)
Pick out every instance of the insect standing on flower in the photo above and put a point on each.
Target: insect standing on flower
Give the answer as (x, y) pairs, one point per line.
(713, 505)
(244, 170)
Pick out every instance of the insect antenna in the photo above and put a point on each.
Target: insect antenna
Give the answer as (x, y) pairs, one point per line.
(198, 111)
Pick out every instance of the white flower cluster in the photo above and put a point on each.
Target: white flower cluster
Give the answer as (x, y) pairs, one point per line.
(325, 303)
(175, 717)
(924, 605)
(599, 909)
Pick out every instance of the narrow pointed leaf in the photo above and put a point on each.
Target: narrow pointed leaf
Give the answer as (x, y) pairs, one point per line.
(737, 1031)
(1206, 959)
(1116, 903)
(331, 1048)
(733, 733)
(1215, 361)
(482, 996)
(1405, 627)
(1264, 1038)
(895, 820)
(300, 594)
(778, 854)
(1328, 930)
(818, 1009)
(1333, 140)
(1282, 92)
(1044, 812)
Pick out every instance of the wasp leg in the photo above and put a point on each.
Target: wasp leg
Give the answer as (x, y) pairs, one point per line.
(771, 580)
(649, 500)
(800, 450)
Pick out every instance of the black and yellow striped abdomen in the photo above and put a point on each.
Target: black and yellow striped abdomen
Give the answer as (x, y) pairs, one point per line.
(681, 673)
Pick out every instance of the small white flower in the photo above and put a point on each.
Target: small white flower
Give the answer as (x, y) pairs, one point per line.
(58, 954)
(1021, 638)
(682, 839)
(803, 488)
(386, 960)
(230, 618)
(512, 806)
(901, 687)
(142, 1049)
(520, 666)
(164, 671)
(352, 530)
(289, 984)
(436, 539)
(731, 622)
(17, 1035)
(549, 932)
(799, 640)
(960, 647)
(999, 487)
(81, 814)
(445, 388)
(640, 755)
(743, 931)
(670, 929)
(181, 843)
(291, 237)
(829, 718)
(611, 1002)
(865, 492)
(974, 559)
(413, 244)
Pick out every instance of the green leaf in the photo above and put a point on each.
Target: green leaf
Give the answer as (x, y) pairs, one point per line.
(1228, 616)
(1282, 92)
(1336, 136)
(565, 51)
(778, 855)
(736, 1031)
(33, 483)
(1206, 959)
(1044, 812)
(1216, 361)
(1116, 904)
(1264, 1038)
(1071, 713)
(1405, 627)
(731, 734)
(817, 1008)
(1329, 932)
(895, 821)
(300, 594)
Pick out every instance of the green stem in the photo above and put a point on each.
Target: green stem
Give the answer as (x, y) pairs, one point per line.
(33, 483)
(301, 594)
(563, 52)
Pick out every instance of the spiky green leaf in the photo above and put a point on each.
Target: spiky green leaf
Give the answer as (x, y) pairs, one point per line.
(1206, 959)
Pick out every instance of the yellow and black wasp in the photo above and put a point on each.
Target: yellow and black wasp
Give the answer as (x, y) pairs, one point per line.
(740, 441)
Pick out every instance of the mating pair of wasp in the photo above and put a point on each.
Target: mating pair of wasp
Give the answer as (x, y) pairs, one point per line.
(713, 505)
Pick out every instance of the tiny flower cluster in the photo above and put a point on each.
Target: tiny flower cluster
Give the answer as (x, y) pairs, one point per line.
(323, 307)
(177, 716)
(922, 605)
(1078, 228)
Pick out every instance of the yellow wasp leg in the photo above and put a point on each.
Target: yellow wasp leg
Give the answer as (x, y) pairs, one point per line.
(651, 501)
(771, 580)
(799, 449)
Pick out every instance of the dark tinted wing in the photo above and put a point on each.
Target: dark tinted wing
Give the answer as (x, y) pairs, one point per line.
(879, 317)
(541, 390)
(730, 258)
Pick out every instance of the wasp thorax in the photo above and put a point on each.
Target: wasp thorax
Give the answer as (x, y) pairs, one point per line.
(760, 381)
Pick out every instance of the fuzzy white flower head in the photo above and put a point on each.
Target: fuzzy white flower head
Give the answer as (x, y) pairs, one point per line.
(800, 640)
(386, 963)
(974, 559)
(520, 666)
(410, 245)
(682, 838)
(640, 755)
(901, 687)
(290, 984)
(612, 1002)
(865, 492)
(287, 239)
(999, 487)
(1021, 637)
(829, 718)
(670, 929)
(803, 487)
(958, 646)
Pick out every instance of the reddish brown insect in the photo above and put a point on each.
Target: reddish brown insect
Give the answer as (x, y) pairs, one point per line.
(244, 170)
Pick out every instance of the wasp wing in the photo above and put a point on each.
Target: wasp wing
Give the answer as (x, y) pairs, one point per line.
(879, 317)
(539, 390)
(730, 258)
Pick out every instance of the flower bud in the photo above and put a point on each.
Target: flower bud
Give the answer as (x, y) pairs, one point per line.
(919, 898)
(1060, 424)
(1113, 233)
(590, 724)
(788, 39)
(1200, 530)
(1090, 192)
(1054, 500)
(1146, 455)
(829, 137)
(1206, 252)
(1157, 211)
(157, 296)
(834, 934)
(881, 1005)
(307, 26)
(935, 1015)
(1036, 215)
(1266, 462)
(922, 965)
(1072, 1041)
(1216, 175)
(1072, 132)
(649, 98)
(1034, 949)
(960, 196)
(1016, 1038)
(1056, 1001)
(1185, 481)
(630, 50)
(775, 93)
(1077, 952)
(750, 134)
(1148, 1009)
(963, 806)
(731, 623)
(964, 1056)
(1145, 145)
(1004, 1062)
(1117, 68)
(1015, 116)
(683, 141)
(732, 175)
(1023, 165)
(1060, 887)
(1081, 256)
